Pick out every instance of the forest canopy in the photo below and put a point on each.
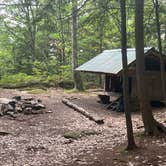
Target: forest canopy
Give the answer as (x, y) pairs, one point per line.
(35, 37)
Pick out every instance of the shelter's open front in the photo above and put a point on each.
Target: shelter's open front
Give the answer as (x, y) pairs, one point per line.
(109, 63)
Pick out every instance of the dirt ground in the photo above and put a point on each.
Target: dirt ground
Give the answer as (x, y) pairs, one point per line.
(39, 140)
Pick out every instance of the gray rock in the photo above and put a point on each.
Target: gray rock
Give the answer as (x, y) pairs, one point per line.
(38, 106)
(18, 98)
(7, 101)
(28, 110)
(39, 100)
(12, 114)
(18, 105)
(28, 99)
(1, 109)
(18, 109)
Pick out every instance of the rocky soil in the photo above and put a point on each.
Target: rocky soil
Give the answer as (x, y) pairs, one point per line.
(61, 136)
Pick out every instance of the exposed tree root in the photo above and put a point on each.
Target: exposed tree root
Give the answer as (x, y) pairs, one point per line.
(160, 127)
(131, 147)
(157, 129)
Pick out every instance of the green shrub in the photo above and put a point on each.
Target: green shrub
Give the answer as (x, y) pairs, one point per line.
(24, 80)
(66, 73)
(18, 80)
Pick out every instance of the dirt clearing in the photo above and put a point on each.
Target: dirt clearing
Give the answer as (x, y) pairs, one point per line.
(40, 139)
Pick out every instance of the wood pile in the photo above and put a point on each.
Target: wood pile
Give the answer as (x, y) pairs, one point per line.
(17, 105)
(118, 105)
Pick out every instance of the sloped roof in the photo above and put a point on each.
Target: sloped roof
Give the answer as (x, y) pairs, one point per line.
(109, 61)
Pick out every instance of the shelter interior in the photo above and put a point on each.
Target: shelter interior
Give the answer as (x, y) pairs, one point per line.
(113, 82)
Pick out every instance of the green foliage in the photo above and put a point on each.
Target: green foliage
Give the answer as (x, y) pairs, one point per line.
(66, 72)
(24, 80)
(18, 80)
(35, 39)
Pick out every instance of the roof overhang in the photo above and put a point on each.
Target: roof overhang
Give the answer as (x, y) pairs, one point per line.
(109, 61)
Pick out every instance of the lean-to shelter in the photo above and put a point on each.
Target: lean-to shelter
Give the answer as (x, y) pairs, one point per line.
(109, 63)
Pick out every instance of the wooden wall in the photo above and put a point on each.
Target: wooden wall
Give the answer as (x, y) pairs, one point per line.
(153, 85)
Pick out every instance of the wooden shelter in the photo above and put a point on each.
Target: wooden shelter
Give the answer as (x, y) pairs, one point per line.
(109, 63)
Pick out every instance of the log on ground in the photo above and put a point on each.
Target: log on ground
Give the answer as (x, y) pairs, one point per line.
(82, 111)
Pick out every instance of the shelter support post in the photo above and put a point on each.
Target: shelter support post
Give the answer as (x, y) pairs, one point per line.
(107, 84)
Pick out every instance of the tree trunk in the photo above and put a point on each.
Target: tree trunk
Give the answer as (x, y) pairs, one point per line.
(100, 49)
(151, 126)
(162, 68)
(62, 59)
(76, 75)
(130, 137)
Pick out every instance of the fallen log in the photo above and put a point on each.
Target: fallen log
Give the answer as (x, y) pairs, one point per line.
(3, 133)
(82, 111)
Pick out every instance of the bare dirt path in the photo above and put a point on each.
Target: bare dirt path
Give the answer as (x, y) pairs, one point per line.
(38, 140)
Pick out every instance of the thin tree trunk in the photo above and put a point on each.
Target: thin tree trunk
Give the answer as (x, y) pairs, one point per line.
(33, 33)
(130, 137)
(76, 75)
(100, 49)
(33, 38)
(162, 67)
(62, 34)
(147, 116)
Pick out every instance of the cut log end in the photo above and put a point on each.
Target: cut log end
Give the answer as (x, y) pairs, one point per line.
(100, 121)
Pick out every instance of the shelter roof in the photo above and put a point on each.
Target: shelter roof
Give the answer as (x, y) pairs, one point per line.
(109, 61)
